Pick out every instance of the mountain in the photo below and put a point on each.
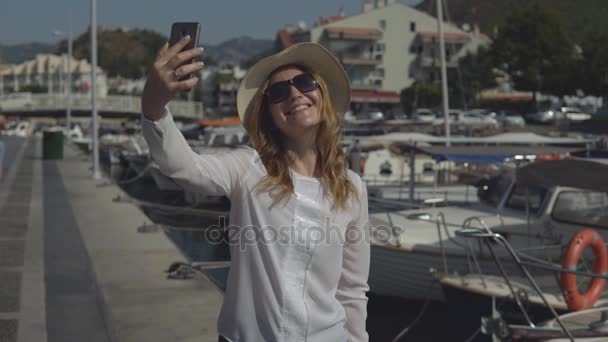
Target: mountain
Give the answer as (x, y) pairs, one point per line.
(238, 50)
(578, 17)
(15, 54)
(135, 48)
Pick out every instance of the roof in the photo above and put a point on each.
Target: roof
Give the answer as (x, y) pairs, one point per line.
(488, 154)
(44, 63)
(575, 173)
(500, 139)
(453, 36)
(285, 39)
(329, 20)
(378, 96)
(485, 38)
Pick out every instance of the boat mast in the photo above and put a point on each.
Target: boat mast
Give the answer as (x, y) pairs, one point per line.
(444, 74)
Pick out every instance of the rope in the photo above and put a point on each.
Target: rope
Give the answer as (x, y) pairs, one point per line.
(137, 177)
(420, 314)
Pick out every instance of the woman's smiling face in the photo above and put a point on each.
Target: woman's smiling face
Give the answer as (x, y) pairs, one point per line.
(300, 111)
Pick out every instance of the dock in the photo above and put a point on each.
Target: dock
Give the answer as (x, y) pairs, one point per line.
(73, 266)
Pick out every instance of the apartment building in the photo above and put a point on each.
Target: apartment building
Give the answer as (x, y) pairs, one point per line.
(386, 47)
(50, 72)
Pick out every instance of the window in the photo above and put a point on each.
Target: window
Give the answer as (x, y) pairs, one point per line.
(586, 208)
(379, 57)
(379, 47)
(382, 25)
(413, 26)
(533, 195)
(380, 72)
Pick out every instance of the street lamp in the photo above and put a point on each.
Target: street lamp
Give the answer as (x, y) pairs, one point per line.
(68, 115)
(94, 134)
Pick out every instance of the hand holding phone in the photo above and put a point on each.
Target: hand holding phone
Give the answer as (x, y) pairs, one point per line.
(172, 70)
(181, 30)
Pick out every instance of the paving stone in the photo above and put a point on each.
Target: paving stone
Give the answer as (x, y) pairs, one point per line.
(12, 230)
(11, 253)
(10, 289)
(8, 330)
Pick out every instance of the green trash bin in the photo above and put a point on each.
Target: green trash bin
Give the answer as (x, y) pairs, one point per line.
(52, 143)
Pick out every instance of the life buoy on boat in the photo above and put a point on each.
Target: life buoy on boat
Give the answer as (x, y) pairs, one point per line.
(583, 239)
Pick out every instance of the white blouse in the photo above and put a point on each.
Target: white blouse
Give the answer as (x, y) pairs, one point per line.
(299, 269)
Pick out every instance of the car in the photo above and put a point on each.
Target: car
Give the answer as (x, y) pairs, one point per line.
(424, 115)
(472, 119)
(509, 119)
(573, 114)
(543, 116)
(373, 114)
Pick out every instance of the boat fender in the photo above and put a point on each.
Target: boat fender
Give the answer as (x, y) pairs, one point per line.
(583, 239)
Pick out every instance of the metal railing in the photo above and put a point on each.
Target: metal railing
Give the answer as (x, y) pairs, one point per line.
(110, 103)
(487, 235)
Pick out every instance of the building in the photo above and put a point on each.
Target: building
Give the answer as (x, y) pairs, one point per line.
(49, 72)
(385, 48)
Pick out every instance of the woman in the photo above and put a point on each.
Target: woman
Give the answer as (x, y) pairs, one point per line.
(298, 219)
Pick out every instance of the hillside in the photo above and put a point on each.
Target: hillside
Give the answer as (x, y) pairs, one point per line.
(129, 52)
(578, 16)
(237, 50)
(14, 54)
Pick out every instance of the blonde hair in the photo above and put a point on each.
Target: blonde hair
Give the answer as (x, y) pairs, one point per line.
(270, 147)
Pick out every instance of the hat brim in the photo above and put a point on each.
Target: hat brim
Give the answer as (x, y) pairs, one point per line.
(311, 56)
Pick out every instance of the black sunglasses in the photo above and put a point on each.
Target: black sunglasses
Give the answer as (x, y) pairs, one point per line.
(279, 92)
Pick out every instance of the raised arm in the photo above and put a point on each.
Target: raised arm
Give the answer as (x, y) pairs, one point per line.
(355, 270)
(214, 174)
(210, 173)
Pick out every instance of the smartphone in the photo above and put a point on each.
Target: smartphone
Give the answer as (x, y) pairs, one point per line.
(180, 30)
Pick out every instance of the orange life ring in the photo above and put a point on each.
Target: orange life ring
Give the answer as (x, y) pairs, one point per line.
(583, 239)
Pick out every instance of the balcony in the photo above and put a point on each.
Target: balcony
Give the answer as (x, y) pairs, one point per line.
(433, 62)
(353, 33)
(360, 60)
(367, 84)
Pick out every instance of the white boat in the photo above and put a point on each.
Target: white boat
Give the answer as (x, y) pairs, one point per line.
(408, 244)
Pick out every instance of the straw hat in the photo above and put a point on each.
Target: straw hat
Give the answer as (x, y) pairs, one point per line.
(308, 55)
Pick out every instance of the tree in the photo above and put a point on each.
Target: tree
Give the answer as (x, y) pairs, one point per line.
(534, 50)
(593, 66)
(476, 74)
(420, 95)
(120, 52)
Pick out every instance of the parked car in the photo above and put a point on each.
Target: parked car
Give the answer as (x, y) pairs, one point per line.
(364, 117)
(573, 114)
(543, 116)
(424, 115)
(372, 114)
(507, 118)
(471, 119)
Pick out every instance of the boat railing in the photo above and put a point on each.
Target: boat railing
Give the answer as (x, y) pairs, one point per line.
(470, 254)
(486, 235)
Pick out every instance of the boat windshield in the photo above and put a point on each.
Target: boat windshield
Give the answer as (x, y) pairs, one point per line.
(582, 207)
(534, 195)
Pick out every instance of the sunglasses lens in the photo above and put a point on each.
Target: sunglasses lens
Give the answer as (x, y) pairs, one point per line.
(305, 83)
(278, 92)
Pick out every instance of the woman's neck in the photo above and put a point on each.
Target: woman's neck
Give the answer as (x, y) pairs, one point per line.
(302, 155)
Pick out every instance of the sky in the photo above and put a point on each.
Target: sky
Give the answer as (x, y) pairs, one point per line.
(26, 21)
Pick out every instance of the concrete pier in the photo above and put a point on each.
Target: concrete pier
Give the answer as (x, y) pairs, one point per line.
(73, 266)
